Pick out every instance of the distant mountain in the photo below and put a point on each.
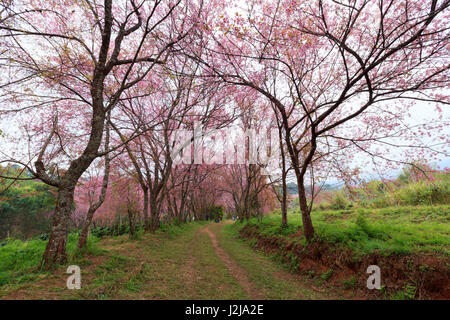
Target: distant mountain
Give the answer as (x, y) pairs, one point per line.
(292, 188)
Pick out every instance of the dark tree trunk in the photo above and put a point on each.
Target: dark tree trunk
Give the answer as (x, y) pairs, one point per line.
(55, 251)
(131, 221)
(284, 186)
(300, 171)
(284, 221)
(146, 222)
(308, 229)
(82, 240)
(154, 214)
(130, 214)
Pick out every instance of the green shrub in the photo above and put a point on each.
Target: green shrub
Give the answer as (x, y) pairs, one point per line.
(339, 201)
(422, 193)
(116, 230)
(400, 192)
(324, 205)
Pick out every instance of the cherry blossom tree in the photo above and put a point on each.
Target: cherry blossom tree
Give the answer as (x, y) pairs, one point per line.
(340, 75)
(69, 63)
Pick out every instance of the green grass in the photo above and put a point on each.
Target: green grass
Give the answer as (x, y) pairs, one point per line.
(216, 280)
(20, 260)
(407, 293)
(388, 230)
(176, 230)
(417, 193)
(349, 283)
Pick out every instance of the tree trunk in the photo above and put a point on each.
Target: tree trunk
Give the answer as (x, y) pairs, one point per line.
(283, 181)
(308, 229)
(55, 251)
(146, 222)
(131, 221)
(284, 203)
(82, 240)
(154, 215)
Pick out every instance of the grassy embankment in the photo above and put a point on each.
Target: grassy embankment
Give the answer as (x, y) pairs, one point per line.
(410, 244)
(405, 215)
(387, 230)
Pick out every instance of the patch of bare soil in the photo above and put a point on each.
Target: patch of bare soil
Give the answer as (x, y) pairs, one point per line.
(427, 276)
(235, 270)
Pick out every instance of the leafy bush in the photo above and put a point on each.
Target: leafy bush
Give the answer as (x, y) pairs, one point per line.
(215, 212)
(325, 205)
(339, 201)
(116, 230)
(423, 193)
(400, 192)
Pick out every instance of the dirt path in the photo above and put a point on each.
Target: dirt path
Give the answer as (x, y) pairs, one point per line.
(273, 279)
(238, 273)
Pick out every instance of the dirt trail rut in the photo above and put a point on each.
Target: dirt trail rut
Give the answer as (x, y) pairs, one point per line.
(238, 273)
